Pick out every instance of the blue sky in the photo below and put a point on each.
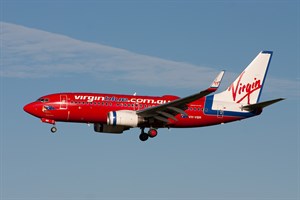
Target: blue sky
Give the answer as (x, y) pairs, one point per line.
(152, 48)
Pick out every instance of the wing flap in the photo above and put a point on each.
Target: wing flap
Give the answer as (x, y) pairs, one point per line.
(168, 115)
(161, 119)
(177, 110)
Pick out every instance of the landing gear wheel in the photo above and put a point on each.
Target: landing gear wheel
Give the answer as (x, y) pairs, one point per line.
(144, 136)
(152, 133)
(53, 129)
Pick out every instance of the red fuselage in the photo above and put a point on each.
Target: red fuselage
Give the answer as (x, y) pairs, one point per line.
(94, 108)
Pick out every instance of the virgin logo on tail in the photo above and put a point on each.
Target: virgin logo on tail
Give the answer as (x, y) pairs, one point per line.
(240, 91)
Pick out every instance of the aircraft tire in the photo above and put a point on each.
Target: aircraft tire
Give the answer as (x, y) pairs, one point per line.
(144, 137)
(53, 129)
(152, 133)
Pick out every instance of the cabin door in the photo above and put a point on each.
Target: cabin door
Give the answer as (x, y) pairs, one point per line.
(63, 102)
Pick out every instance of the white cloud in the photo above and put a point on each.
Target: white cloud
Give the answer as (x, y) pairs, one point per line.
(32, 53)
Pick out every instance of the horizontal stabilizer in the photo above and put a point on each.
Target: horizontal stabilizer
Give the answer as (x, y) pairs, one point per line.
(252, 107)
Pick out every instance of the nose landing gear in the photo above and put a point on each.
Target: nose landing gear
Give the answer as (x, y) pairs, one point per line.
(53, 129)
(151, 133)
(50, 121)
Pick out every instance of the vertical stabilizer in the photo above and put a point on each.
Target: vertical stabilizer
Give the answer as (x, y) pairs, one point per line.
(247, 87)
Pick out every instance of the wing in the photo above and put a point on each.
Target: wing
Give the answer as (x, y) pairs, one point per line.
(169, 110)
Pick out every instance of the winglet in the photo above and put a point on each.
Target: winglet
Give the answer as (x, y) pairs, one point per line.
(216, 83)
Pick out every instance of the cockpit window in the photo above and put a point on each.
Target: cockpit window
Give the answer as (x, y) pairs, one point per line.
(42, 100)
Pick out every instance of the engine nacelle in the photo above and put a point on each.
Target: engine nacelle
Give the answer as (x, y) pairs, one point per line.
(103, 128)
(123, 118)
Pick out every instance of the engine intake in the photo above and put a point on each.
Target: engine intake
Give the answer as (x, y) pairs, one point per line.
(123, 118)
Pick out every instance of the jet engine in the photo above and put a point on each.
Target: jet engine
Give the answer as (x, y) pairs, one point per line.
(103, 128)
(123, 118)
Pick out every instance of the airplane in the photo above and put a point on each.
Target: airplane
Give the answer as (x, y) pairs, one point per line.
(116, 113)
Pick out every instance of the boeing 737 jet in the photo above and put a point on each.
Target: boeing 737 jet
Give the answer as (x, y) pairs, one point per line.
(115, 113)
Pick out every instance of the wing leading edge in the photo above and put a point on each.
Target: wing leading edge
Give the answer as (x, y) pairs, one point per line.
(169, 110)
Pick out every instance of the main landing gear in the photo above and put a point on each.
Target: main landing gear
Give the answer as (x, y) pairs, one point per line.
(151, 133)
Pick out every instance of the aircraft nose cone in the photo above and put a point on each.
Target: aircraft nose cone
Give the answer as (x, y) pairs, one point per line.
(28, 108)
